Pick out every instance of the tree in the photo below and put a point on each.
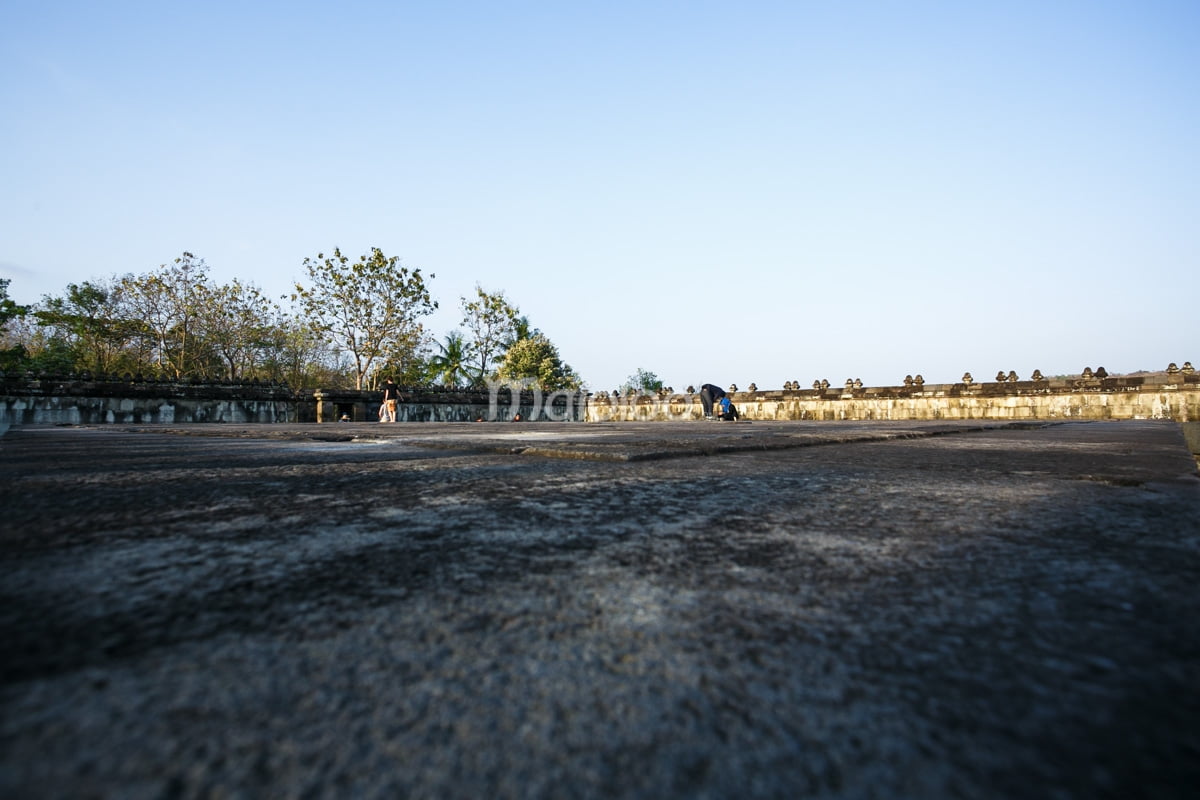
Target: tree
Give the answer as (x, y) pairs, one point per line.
(12, 353)
(449, 366)
(642, 382)
(366, 308)
(237, 326)
(295, 354)
(522, 329)
(536, 358)
(168, 305)
(91, 320)
(491, 320)
(8, 307)
(409, 361)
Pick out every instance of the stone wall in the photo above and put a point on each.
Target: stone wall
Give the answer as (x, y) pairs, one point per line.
(27, 399)
(1174, 395)
(83, 400)
(438, 405)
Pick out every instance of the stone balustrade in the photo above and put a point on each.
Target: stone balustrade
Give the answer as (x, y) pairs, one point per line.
(88, 400)
(1093, 394)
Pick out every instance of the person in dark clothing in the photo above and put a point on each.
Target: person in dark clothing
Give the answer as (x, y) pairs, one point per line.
(709, 393)
(391, 397)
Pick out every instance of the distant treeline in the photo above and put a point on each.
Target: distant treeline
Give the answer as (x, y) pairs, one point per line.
(353, 323)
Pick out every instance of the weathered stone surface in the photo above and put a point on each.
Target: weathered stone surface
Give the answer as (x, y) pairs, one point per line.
(660, 610)
(1191, 434)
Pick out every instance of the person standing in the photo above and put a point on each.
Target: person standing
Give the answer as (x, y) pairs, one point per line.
(391, 398)
(709, 393)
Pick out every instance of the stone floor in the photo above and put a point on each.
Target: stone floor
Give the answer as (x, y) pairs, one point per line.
(851, 610)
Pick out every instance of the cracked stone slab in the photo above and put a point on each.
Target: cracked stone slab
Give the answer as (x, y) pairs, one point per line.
(865, 610)
(627, 441)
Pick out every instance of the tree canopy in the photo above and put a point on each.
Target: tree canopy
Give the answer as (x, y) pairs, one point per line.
(168, 305)
(366, 307)
(537, 359)
(91, 322)
(492, 323)
(449, 366)
(642, 381)
(351, 323)
(12, 352)
(170, 323)
(8, 308)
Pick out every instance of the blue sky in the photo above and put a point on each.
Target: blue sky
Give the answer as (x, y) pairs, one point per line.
(712, 191)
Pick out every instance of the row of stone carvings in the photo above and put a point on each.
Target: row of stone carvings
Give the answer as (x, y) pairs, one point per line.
(818, 385)
(1100, 373)
(1088, 374)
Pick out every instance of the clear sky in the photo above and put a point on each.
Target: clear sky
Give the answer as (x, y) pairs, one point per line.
(712, 191)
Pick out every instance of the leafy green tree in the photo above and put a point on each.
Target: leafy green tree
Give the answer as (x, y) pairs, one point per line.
(643, 381)
(366, 307)
(93, 323)
(40, 350)
(8, 307)
(409, 362)
(168, 303)
(522, 329)
(537, 358)
(12, 350)
(491, 321)
(237, 326)
(450, 366)
(295, 354)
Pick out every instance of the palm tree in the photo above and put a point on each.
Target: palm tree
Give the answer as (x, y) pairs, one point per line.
(521, 330)
(450, 365)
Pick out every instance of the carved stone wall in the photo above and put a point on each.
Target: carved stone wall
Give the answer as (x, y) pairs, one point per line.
(436, 405)
(75, 400)
(26, 400)
(1172, 395)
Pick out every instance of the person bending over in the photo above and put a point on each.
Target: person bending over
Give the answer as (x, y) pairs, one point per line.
(709, 393)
